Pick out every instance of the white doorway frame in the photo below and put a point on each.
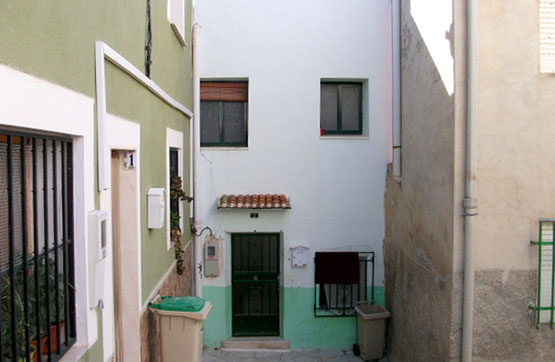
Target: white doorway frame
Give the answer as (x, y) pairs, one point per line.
(123, 135)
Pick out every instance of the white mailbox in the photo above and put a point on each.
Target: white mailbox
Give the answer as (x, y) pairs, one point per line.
(156, 203)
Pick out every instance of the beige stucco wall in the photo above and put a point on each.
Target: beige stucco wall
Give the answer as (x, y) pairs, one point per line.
(515, 170)
(516, 130)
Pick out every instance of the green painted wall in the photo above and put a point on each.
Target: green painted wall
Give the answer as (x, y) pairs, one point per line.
(94, 353)
(54, 40)
(217, 327)
(298, 324)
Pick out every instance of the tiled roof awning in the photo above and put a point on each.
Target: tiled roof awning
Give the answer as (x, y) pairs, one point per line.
(254, 201)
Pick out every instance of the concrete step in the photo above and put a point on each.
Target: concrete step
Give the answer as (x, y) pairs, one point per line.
(253, 343)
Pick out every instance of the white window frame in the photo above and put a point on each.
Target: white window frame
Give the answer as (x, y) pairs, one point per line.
(174, 140)
(176, 17)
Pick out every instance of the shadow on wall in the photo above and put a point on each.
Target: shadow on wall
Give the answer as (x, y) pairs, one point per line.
(418, 248)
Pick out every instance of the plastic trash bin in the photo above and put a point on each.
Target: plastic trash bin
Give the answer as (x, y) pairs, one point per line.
(181, 321)
(371, 330)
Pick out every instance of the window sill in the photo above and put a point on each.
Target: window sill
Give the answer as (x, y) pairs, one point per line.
(333, 137)
(224, 148)
(74, 354)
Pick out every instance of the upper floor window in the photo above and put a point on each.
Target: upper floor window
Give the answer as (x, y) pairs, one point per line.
(224, 109)
(340, 108)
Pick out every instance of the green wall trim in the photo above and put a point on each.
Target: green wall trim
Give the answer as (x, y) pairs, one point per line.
(217, 327)
(298, 324)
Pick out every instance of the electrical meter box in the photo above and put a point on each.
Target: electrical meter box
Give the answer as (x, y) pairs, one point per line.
(156, 207)
(211, 258)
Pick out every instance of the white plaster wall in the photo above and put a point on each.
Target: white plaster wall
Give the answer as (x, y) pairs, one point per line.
(284, 49)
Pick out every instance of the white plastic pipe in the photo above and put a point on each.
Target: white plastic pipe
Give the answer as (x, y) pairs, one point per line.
(470, 203)
(197, 267)
(396, 62)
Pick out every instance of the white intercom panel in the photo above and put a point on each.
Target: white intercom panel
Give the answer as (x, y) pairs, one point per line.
(156, 204)
(98, 234)
(211, 258)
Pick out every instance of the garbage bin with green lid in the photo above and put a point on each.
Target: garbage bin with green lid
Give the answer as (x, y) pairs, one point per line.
(371, 330)
(181, 321)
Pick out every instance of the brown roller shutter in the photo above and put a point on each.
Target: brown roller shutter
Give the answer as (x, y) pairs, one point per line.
(224, 91)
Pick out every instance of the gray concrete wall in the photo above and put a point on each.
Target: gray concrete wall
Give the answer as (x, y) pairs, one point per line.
(419, 210)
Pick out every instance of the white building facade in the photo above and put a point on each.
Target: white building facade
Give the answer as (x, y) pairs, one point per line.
(316, 127)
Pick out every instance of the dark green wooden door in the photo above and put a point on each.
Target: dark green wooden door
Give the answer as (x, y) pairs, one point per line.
(255, 284)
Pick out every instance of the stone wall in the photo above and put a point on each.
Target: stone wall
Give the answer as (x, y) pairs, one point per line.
(504, 327)
(174, 285)
(418, 294)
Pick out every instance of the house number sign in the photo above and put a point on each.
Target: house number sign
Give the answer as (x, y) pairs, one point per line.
(129, 160)
(299, 256)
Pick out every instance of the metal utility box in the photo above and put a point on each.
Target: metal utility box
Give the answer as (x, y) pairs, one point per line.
(156, 207)
(211, 258)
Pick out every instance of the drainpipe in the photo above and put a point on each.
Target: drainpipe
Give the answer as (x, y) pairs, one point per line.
(197, 246)
(396, 62)
(470, 203)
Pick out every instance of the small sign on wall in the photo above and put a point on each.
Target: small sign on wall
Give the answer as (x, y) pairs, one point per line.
(299, 256)
(129, 160)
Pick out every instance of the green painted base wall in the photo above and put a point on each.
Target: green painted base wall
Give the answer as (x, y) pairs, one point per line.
(298, 324)
(217, 327)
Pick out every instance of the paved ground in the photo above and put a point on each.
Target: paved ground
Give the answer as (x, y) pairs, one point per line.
(217, 355)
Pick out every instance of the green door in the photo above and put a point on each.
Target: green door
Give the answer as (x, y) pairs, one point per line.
(255, 283)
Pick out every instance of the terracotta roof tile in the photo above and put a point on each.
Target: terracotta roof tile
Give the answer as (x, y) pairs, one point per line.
(254, 201)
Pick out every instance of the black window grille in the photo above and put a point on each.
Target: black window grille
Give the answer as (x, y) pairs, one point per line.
(37, 296)
(337, 300)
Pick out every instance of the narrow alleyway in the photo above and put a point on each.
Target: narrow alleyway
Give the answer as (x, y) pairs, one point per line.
(218, 355)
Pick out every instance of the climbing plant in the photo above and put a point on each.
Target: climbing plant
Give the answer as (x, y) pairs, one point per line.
(177, 194)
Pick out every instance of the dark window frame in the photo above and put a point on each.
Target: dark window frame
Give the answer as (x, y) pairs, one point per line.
(221, 127)
(173, 154)
(340, 131)
(221, 119)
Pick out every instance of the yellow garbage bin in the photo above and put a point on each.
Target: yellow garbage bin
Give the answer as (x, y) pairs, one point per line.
(181, 322)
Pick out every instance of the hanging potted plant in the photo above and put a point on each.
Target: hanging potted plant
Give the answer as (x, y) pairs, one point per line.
(177, 194)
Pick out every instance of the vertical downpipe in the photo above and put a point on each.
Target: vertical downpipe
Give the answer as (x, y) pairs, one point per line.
(396, 62)
(470, 203)
(196, 158)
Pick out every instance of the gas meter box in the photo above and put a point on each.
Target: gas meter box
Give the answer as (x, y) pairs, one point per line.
(211, 258)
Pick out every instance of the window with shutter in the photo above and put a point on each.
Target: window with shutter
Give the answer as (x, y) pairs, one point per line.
(223, 114)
